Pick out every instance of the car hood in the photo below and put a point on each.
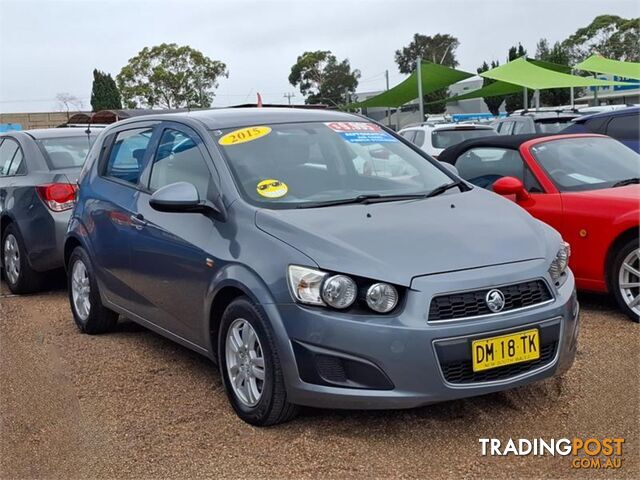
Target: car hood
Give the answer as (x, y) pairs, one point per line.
(397, 241)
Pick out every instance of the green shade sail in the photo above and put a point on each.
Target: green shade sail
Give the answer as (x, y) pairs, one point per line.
(528, 75)
(492, 90)
(599, 64)
(434, 77)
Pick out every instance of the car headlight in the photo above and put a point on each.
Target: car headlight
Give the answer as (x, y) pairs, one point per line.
(382, 297)
(339, 291)
(305, 284)
(559, 264)
(315, 287)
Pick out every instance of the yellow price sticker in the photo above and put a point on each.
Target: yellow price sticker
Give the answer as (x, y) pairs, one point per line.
(244, 135)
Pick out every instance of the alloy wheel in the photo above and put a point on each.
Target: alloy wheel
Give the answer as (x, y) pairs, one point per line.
(629, 280)
(245, 362)
(11, 259)
(80, 290)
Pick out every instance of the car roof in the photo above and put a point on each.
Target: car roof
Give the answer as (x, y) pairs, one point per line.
(611, 113)
(238, 117)
(41, 133)
(513, 142)
(439, 126)
(539, 115)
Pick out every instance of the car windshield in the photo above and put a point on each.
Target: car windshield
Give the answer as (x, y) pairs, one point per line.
(552, 125)
(587, 163)
(291, 165)
(443, 138)
(66, 152)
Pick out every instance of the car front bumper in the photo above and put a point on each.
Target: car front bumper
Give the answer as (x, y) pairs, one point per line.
(409, 351)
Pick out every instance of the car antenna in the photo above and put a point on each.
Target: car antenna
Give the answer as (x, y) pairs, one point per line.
(88, 130)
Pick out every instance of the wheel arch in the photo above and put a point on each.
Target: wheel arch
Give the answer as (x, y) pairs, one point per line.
(231, 282)
(622, 238)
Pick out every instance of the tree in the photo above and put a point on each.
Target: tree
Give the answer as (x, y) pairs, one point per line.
(515, 100)
(322, 78)
(493, 103)
(441, 49)
(558, 54)
(170, 76)
(608, 35)
(67, 102)
(104, 92)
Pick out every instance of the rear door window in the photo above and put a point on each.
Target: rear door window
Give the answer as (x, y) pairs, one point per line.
(127, 154)
(419, 140)
(8, 149)
(178, 159)
(626, 127)
(409, 135)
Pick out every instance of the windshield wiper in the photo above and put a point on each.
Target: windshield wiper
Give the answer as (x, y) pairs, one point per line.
(628, 181)
(447, 186)
(364, 199)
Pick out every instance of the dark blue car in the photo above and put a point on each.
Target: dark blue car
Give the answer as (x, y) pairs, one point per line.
(623, 125)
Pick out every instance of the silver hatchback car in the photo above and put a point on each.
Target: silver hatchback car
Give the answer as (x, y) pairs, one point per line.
(254, 237)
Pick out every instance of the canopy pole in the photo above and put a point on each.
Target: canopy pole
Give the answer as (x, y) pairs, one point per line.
(536, 97)
(595, 92)
(386, 75)
(525, 98)
(420, 99)
(573, 97)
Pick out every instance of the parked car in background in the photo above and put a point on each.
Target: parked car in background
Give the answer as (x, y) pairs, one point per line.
(622, 124)
(38, 171)
(434, 138)
(585, 186)
(252, 237)
(528, 121)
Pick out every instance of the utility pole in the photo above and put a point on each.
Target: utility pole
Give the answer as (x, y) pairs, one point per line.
(573, 100)
(288, 96)
(420, 99)
(386, 76)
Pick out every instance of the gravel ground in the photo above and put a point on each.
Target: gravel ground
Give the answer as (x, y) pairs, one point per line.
(133, 405)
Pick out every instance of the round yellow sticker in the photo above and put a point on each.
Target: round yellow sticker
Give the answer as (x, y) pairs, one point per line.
(271, 188)
(244, 135)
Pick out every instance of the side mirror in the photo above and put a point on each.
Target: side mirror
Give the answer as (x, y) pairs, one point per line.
(451, 168)
(511, 186)
(178, 197)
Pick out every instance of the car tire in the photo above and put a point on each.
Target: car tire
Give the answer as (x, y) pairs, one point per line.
(89, 314)
(622, 276)
(268, 404)
(18, 274)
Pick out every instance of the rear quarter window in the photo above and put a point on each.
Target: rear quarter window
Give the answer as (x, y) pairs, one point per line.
(625, 127)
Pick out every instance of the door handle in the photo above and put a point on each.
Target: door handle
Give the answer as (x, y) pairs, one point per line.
(138, 221)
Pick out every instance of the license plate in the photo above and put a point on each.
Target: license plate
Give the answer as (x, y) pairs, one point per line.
(505, 350)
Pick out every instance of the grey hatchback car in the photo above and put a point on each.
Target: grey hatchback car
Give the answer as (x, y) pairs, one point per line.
(251, 237)
(38, 170)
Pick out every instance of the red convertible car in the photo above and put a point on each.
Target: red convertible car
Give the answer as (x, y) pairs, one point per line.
(583, 185)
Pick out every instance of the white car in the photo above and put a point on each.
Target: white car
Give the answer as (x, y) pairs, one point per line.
(434, 138)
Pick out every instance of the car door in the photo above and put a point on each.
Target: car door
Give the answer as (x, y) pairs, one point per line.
(482, 166)
(171, 265)
(109, 209)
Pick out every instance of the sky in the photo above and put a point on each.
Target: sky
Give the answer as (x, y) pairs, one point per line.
(50, 47)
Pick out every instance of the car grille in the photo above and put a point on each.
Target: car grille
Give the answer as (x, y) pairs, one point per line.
(462, 371)
(472, 304)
